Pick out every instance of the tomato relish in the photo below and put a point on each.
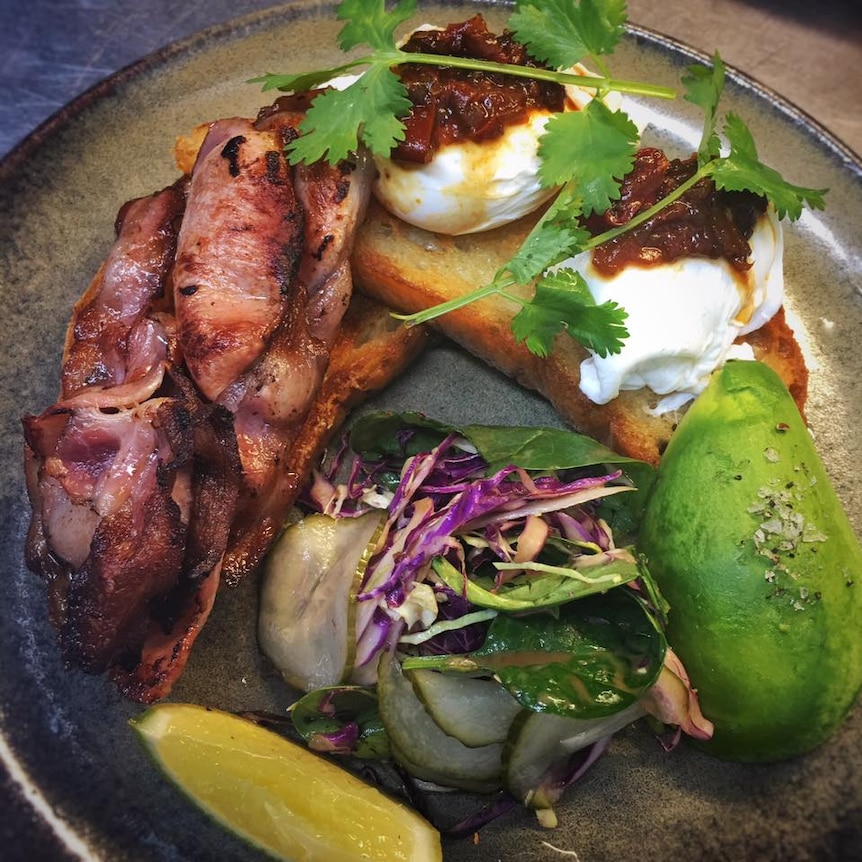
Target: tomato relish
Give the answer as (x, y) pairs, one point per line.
(452, 104)
(703, 222)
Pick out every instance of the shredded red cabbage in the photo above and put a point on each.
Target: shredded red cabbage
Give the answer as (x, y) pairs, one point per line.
(443, 503)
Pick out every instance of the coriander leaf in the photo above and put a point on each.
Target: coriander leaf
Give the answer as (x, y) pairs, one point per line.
(547, 244)
(703, 88)
(387, 101)
(366, 111)
(296, 83)
(567, 205)
(551, 32)
(555, 237)
(331, 127)
(743, 171)
(368, 23)
(301, 82)
(561, 32)
(563, 301)
(594, 148)
(603, 24)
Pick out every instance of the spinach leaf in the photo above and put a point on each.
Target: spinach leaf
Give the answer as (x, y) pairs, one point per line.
(379, 435)
(595, 657)
(539, 449)
(533, 448)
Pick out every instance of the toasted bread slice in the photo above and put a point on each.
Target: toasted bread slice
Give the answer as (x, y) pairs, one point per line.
(411, 269)
(370, 350)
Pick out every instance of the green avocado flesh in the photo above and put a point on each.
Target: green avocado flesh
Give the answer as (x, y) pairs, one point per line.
(753, 551)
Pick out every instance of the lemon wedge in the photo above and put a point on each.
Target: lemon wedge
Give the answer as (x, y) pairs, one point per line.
(276, 794)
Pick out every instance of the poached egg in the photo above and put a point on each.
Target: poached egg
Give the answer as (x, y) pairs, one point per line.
(469, 187)
(683, 318)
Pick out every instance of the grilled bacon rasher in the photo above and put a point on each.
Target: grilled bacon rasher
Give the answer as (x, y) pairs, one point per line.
(189, 366)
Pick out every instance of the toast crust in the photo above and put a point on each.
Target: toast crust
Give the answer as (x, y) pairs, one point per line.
(371, 349)
(411, 269)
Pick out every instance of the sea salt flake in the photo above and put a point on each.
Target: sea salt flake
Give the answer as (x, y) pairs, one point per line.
(810, 533)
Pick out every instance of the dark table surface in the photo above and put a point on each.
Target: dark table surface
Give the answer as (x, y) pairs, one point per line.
(809, 53)
(50, 52)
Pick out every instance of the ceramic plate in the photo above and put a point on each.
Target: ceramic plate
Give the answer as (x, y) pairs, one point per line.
(65, 739)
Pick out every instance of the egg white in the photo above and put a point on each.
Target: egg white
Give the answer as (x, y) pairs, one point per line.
(683, 318)
(467, 186)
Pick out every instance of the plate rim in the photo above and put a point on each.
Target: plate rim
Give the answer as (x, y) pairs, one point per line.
(15, 785)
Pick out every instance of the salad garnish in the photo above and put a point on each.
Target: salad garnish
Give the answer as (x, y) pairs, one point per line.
(584, 154)
(493, 589)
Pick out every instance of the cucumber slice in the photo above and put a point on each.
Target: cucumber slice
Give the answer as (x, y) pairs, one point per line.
(422, 748)
(475, 711)
(541, 744)
(306, 622)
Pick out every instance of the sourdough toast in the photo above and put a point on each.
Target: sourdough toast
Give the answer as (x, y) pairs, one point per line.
(411, 269)
(370, 351)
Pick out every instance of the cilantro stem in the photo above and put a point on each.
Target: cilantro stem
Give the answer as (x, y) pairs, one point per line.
(647, 214)
(600, 64)
(490, 289)
(591, 82)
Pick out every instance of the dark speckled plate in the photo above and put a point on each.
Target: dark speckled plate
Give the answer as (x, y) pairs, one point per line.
(67, 750)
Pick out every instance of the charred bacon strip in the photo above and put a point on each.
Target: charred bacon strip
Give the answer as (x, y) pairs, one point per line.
(237, 255)
(149, 486)
(115, 532)
(176, 617)
(269, 405)
(132, 495)
(131, 513)
(116, 345)
(334, 199)
(272, 399)
(164, 655)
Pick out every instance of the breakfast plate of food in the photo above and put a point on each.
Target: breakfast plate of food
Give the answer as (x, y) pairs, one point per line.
(584, 326)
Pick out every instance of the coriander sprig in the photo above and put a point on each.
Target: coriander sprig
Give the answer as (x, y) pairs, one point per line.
(562, 33)
(369, 111)
(562, 301)
(584, 154)
(397, 57)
